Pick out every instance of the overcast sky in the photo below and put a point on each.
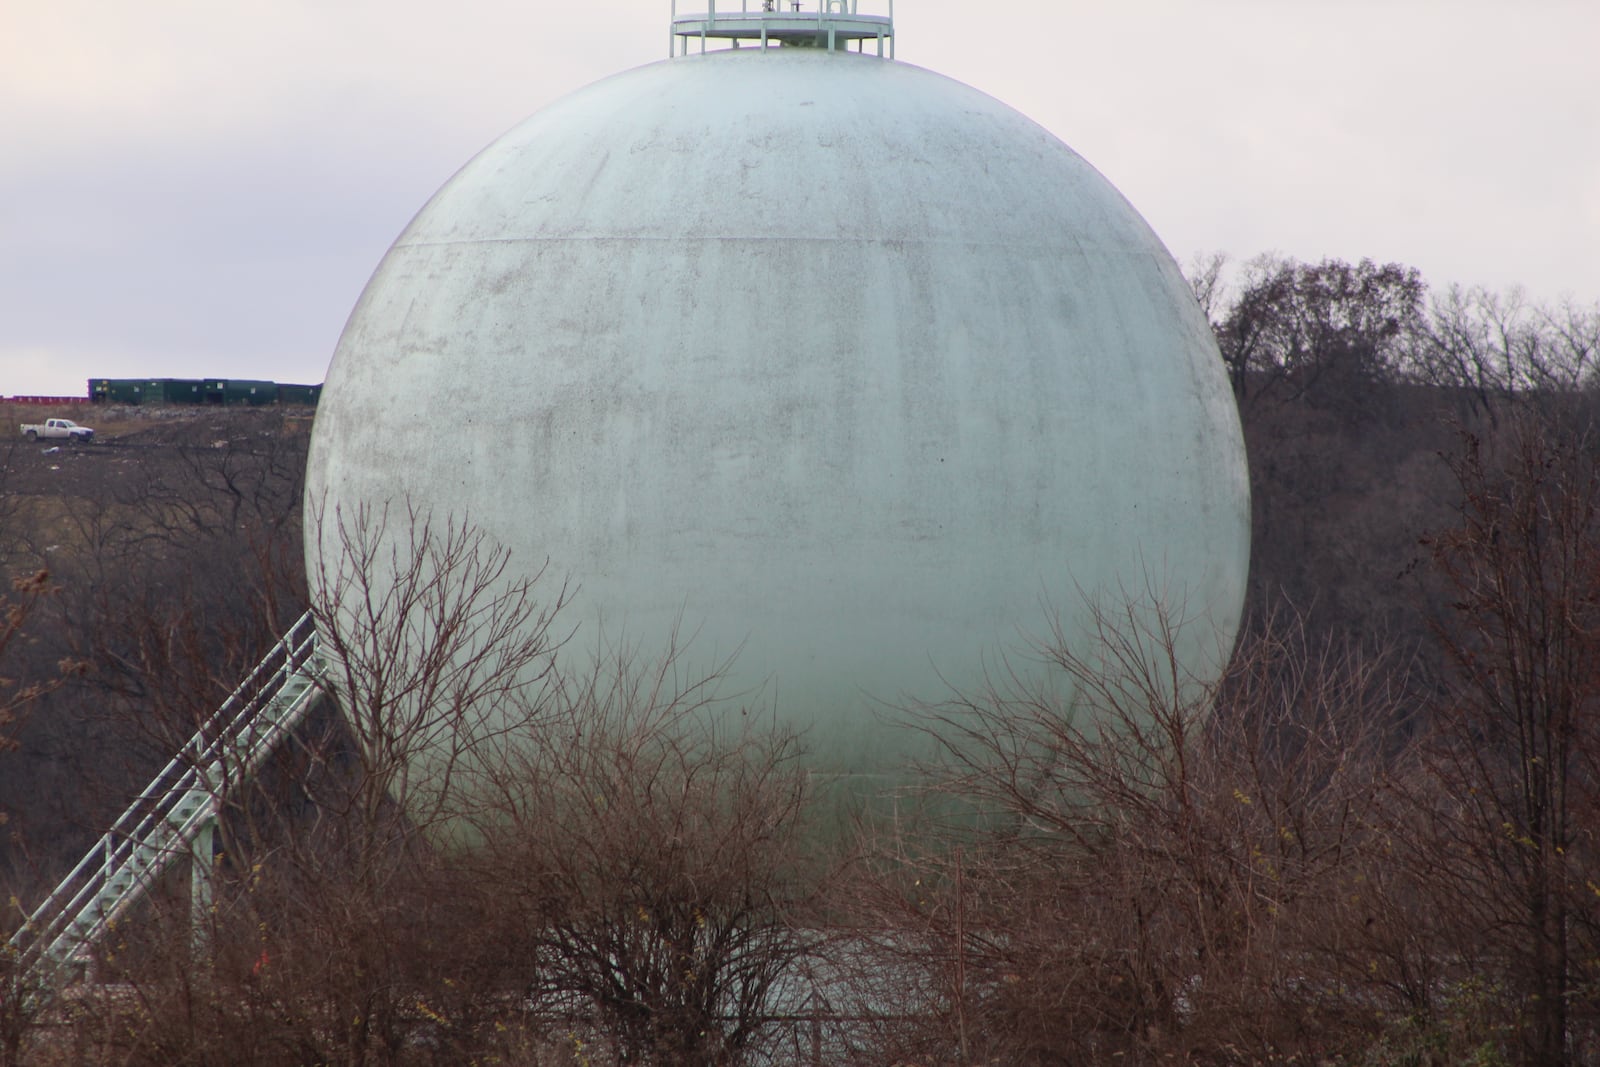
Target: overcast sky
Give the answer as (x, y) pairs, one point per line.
(196, 188)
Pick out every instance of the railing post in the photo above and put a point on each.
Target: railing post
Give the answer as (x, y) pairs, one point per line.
(202, 891)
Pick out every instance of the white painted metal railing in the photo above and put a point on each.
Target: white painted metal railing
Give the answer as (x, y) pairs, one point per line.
(172, 818)
(826, 23)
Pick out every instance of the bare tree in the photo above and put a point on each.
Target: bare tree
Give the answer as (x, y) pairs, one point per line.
(26, 592)
(1157, 868)
(1497, 346)
(650, 851)
(341, 933)
(435, 646)
(16, 695)
(1513, 793)
(1207, 274)
(467, 855)
(1299, 329)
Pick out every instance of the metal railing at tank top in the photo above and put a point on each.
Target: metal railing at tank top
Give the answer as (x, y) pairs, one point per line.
(821, 22)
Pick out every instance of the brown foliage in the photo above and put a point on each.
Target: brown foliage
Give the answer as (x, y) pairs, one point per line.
(1310, 860)
(1511, 786)
(26, 592)
(1154, 867)
(434, 645)
(649, 851)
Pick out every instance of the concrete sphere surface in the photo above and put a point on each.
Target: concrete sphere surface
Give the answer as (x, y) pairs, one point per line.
(824, 359)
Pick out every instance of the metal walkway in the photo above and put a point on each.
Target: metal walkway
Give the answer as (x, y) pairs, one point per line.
(173, 817)
(831, 24)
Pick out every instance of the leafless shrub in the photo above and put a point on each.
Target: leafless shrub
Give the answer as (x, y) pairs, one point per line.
(1153, 866)
(648, 851)
(339, 932)
(15, 694)
(17, 1017)
(434, 647)
(1507, 800)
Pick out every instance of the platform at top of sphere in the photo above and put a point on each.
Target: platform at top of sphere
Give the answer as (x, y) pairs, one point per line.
(828, 24)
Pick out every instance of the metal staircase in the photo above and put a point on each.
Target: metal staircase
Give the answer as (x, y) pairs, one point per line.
(174, 815)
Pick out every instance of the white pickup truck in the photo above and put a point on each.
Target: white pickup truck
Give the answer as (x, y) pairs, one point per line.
(57, 428)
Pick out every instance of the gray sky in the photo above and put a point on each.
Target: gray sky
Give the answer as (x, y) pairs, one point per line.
(202, 187)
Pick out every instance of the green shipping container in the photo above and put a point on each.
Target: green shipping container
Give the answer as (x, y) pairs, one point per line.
(120, 390)
(182, 390)
(240, 391)
(306, 395)
(146, 390)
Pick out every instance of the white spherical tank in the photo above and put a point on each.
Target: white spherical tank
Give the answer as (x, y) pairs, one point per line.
(823, 359)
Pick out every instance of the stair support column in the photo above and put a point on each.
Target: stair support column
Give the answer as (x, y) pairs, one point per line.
(202, 894)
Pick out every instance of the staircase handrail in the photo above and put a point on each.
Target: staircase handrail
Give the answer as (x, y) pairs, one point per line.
(211, 756)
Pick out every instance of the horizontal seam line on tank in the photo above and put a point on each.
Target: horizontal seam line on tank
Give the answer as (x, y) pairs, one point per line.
(1072, 246)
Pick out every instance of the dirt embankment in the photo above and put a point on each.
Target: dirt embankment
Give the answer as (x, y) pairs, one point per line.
(172, 544)
(127, 439)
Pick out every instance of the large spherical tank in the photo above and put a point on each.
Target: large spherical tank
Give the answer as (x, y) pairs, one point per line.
(822, 361)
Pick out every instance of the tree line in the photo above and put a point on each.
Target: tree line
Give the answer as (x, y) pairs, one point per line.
(1371, 841)
(1286, 327)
